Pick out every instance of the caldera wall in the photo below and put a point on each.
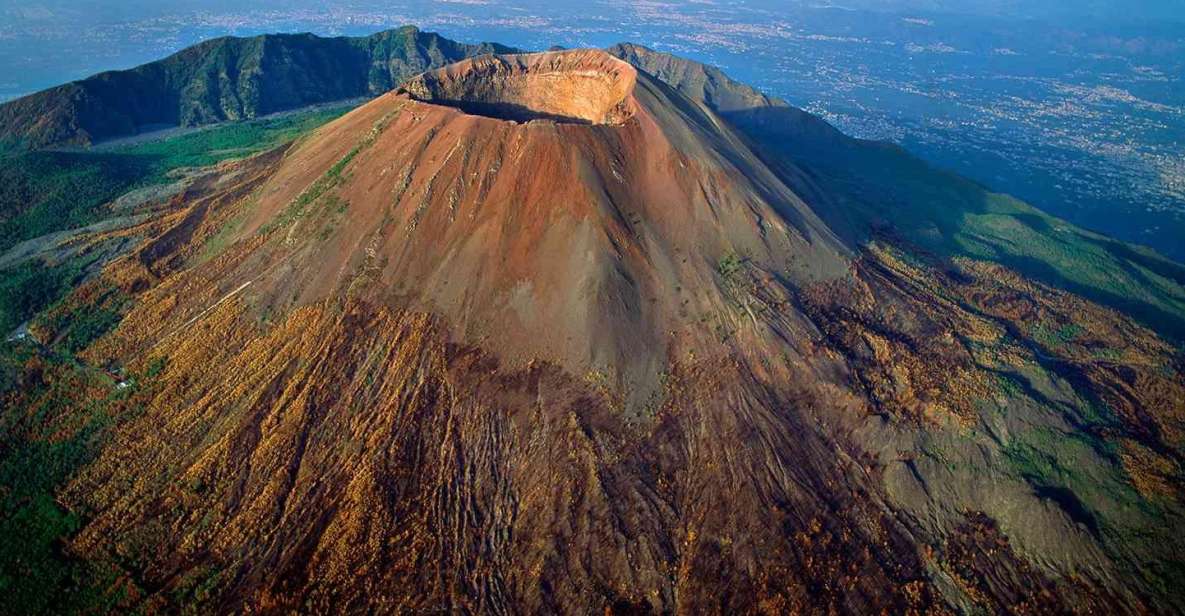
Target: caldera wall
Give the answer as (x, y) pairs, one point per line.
(578, 87)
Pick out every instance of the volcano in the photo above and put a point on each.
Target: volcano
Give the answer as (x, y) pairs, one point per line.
(563, 332)
(557, 207)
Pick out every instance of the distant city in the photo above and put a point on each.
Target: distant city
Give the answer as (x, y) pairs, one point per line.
(1086, 123)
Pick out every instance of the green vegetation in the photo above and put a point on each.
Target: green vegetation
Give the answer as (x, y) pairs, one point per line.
(55, 412)
(47, 191)
(234, 140)
(43, 192)
(267, 73)
(77, 326)
(155, 367)
(328, 181)
(1008, 387)
(729, 266)
(32, 287)
(221, 240)
(29, 287)
(48, 430)
(737, 287)
(865, 188)
(1052, 338)
(1075, 470)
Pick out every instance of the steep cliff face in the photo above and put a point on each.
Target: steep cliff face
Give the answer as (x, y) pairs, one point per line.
(547, 333)
(226, 79)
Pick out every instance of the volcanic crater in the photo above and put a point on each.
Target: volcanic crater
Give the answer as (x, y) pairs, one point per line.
(595, 353)
(568, 87)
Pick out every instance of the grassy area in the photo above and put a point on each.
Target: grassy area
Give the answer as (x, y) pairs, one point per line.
(1072, 470)
(860, 186)
(729, 266)
(234, 140)
(44, 192)
(47, 191)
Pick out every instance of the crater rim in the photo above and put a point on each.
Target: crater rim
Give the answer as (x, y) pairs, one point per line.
(582, 86)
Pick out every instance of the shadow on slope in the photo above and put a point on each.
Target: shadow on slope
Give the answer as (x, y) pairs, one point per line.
(860, 187)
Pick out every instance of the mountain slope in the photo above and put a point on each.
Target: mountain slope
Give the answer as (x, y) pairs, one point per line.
(864, 188)
(548, 333)
(226, 79)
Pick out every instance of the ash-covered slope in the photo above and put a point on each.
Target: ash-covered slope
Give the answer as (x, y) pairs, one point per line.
(590, 238)
(865, 188)
(227, 78)
(542, 333)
